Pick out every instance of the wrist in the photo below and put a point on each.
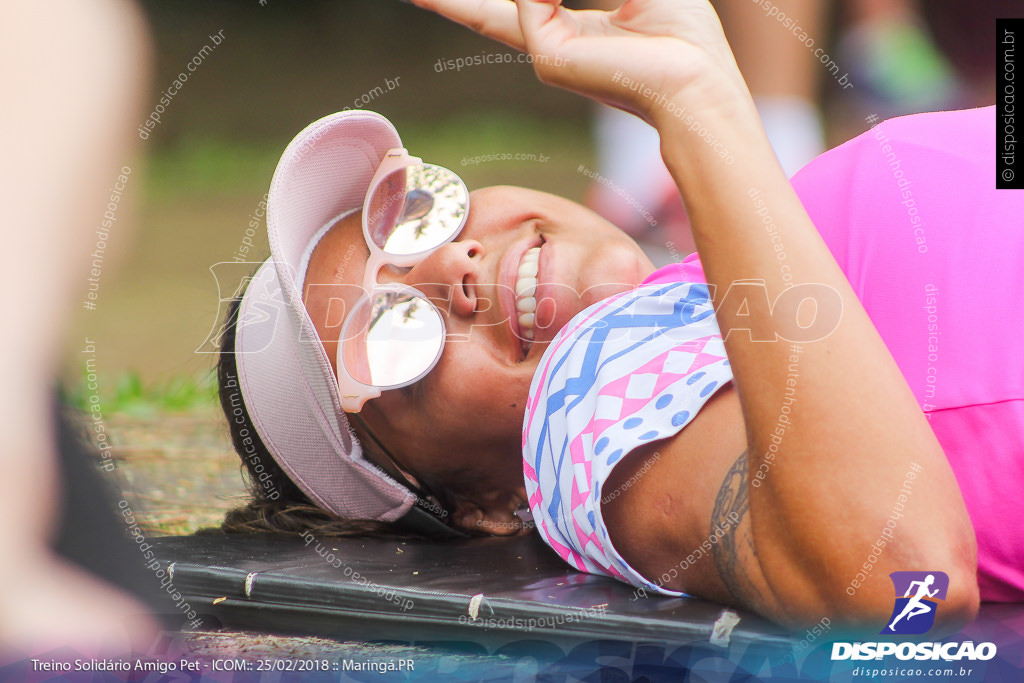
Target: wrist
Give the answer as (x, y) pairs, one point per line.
(704, 140)
(715, 121)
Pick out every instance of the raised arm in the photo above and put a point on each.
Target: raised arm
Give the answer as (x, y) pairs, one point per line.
(855, 429)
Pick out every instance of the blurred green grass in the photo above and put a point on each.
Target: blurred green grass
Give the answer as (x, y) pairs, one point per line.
(127, 393)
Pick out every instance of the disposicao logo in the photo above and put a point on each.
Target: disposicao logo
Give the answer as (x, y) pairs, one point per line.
(917, 596)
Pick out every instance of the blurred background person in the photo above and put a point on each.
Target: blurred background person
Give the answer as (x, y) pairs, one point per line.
(774, 44)
(964, 32)
(816, 69)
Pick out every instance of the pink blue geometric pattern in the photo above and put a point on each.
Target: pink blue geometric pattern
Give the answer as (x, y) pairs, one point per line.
(629, 370)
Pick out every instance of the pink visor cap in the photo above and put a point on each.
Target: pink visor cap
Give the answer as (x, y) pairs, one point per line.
(285, 377)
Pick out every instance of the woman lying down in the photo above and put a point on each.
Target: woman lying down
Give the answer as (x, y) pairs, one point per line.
(832, 391)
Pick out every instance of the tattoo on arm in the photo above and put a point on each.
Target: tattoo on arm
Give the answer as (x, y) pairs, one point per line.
(735, 552)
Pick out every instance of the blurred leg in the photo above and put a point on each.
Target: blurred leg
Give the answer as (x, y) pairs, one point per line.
(777, 60)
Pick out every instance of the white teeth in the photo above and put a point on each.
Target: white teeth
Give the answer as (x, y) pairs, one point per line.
(528, 269)
(526, 288)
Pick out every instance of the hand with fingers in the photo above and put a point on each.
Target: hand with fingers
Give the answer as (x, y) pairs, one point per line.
(637, 57)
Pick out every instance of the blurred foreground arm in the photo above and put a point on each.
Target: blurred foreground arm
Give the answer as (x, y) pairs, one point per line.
(71, 83)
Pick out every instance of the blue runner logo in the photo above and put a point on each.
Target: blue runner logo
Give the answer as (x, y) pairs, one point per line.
(917, 596)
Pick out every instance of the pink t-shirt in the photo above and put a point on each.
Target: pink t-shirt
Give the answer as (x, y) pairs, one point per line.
(936, 255)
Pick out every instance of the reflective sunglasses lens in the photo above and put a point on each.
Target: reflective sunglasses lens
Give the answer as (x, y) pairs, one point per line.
(416, 209)
(391, 339)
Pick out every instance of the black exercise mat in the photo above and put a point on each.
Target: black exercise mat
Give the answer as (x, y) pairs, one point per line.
(393, 590)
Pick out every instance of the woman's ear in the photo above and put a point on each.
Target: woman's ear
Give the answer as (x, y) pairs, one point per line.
(497, 519)
(467, 515)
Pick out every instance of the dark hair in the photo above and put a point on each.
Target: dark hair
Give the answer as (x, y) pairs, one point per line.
(277, 504)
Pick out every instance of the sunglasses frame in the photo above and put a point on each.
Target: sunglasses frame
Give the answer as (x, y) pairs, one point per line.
(353, 392)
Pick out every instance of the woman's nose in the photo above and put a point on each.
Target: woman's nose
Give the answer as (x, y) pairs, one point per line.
(449, 276)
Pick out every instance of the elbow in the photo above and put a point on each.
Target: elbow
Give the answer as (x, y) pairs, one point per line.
(958, 558)
(869, 611)
(957, 609)
(962, 601)
(868, 607)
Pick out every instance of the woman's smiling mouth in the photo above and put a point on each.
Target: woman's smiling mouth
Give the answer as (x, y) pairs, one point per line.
(518, 280)
(526, 288)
